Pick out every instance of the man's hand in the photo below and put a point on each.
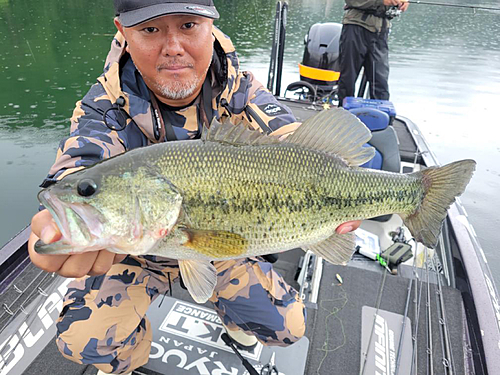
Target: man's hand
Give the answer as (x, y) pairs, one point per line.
(393, 3)
(401, 4)
(348, 226)
(77, 265)
(404, 5)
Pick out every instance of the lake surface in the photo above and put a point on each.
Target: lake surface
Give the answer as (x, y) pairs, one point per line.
(445, 76)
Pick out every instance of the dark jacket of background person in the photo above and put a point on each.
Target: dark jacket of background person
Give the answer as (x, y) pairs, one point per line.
(358, 13)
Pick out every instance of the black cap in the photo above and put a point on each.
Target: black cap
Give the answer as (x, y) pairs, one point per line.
(134, 12)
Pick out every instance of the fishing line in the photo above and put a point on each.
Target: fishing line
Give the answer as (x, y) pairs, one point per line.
(32, 54)
(334, 312)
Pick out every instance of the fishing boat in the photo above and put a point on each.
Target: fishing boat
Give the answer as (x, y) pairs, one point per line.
(396, 308)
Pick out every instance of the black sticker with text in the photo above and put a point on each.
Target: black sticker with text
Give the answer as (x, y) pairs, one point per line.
(272, 109)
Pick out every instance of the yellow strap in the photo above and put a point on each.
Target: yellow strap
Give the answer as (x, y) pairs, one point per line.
(318, 74)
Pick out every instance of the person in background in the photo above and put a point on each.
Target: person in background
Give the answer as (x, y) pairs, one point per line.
(363, 43)
(168, 74)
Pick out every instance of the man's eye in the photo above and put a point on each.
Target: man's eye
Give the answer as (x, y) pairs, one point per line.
(150, 30)
(188, 25)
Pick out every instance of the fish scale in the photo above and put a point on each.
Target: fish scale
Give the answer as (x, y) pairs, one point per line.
(246, 190)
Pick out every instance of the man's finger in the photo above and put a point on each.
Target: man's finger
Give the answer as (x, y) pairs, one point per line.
(49, 263)
(348, 226)
(119, 258)
(78, 265)
(44, 227)
(102, 264)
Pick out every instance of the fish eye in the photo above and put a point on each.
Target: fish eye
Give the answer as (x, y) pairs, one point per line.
(86, 187)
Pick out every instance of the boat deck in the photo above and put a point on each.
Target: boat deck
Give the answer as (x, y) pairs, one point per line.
(334, 324)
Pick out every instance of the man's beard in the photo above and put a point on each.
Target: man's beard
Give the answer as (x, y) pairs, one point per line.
(177, 90)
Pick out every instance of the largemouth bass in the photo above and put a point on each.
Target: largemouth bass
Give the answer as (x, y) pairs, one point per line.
(238, 193)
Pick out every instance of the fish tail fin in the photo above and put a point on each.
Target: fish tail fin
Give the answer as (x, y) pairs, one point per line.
(441, 186)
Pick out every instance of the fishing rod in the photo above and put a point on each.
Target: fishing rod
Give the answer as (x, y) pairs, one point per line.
(402, 334)
(417, 299)
(417, 303)
(271, 77)
(379, 300)
(450, 5)
(448, 361)
(428, 316)
(444, 358)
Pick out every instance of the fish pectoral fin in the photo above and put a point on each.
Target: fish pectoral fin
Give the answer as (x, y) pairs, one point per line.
(53, 248)
(215, 243)
(336, 249)
(200, 278)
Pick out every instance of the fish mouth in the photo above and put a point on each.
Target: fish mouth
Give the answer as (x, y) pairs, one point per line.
(78, 223)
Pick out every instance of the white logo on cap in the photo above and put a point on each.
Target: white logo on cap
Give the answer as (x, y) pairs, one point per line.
(201, 10)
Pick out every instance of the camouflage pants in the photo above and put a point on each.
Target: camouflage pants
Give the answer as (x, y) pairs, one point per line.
(103, 319)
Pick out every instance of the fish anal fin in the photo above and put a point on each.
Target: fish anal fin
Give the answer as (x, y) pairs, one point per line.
(200, 278)
(335, 131)
(215, 244)
(336, 249)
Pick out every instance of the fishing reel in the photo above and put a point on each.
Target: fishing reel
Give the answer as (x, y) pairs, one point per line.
(393, 12)
(400, 251)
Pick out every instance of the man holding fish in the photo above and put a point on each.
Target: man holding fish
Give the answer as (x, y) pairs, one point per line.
(242, 180)
(168, 74)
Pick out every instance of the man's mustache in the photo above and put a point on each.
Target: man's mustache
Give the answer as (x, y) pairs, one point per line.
(174, 63)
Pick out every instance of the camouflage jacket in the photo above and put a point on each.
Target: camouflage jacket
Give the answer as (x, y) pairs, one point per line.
(234, 94)
(366, 13)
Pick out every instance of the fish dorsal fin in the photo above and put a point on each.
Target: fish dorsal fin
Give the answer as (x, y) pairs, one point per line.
(335, 131)
(238, 134)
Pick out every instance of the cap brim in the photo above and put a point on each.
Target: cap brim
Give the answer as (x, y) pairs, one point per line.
(135, 17)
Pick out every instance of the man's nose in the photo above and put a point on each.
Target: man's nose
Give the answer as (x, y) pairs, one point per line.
(173, 46)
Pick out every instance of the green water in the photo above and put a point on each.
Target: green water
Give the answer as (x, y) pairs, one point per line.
(445, 76)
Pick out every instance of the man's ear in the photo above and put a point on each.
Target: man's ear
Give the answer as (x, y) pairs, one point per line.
(119, 26)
